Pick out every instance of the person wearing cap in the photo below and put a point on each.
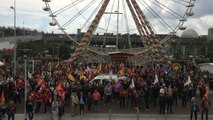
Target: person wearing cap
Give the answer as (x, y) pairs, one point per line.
(205, 104)
(194, 108)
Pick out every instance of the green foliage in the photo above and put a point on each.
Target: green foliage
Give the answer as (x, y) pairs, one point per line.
(178, 54)
(123, 44)
(207, 49)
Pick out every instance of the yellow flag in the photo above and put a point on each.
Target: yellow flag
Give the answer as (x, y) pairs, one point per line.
(70, 77)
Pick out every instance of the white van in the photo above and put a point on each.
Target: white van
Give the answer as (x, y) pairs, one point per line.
(106, 78)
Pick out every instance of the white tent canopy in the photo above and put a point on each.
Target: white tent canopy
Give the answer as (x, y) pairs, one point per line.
(207, 67)
(1, 63)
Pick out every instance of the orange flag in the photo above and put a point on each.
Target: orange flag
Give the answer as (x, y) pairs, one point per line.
(122, 69)
(2, 97)
(99, 68)
(206, 94)
(59, 87)
(40, 81)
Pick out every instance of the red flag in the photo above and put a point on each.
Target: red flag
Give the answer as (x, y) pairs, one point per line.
(62, 95)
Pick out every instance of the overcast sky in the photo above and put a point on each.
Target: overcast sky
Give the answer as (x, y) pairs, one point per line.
(31, 15)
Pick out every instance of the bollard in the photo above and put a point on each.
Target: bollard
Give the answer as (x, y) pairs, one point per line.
(166, 113)
(110, 114)
(137, 114)
(81, 116)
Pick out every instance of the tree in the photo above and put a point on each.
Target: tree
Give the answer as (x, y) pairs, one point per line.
(207, 49)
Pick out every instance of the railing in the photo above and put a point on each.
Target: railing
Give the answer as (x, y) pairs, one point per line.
(22, 38)
(108, 50)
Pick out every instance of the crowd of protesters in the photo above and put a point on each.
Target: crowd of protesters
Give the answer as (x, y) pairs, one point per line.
(59, 85)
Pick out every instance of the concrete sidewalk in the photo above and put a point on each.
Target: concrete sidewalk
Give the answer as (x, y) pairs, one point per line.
(113, 117)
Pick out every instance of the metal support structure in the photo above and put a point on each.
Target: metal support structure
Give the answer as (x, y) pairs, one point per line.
(155, 43)
(117, 27)
(166, 112)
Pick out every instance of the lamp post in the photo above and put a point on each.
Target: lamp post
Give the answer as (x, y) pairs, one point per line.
(25, 86)
(15, 39)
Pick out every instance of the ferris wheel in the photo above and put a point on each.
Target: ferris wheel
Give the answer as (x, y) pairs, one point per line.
(105, 22)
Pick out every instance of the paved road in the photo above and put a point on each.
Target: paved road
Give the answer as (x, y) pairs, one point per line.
(113, 117)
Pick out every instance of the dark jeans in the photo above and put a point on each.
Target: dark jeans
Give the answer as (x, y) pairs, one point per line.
(108, 99)
(206, 111)
(191, 116)
(81, 108)
(17, 97)
(122, 101)
(89, 106)
(38, 106)
(60, 111)
(30, 115)
(11, 116)
(184, 101)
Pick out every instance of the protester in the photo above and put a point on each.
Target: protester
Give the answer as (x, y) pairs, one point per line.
(194, 108)
(54, 109)
(96, 98)
(30, 108)
(82, 101)
(11, 110)
(108, 93)
(75, 103)
(205, 104)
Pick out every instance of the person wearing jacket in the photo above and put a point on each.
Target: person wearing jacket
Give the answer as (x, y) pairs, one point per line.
(194, 108)
(75, 102)
(205, 104)
(30, 108)
(108, 93)
(82, 100)
(11, 110)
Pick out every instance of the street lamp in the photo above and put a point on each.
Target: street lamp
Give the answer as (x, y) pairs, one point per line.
(25, 53)
(25, 86)
(15, 39)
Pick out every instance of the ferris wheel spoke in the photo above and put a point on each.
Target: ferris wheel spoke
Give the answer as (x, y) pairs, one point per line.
(67, 7)
(157, 16)
(181, 2)
(167, 9)
(79, 13)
